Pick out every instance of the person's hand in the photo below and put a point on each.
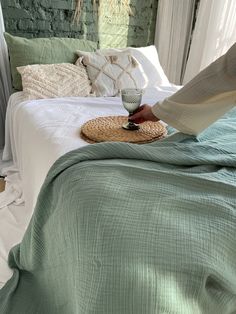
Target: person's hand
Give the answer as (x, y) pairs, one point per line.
(142, 114)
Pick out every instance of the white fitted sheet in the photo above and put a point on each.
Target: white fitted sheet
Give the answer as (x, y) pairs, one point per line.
(38, 132)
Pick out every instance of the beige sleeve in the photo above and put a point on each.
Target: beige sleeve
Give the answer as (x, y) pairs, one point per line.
(204, 99)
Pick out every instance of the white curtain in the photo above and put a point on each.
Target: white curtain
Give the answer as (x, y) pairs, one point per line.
(214, 34)
(172, 36)
(5, 80)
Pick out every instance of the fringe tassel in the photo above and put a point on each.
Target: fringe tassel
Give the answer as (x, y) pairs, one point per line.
(124, 4)
(78, 9)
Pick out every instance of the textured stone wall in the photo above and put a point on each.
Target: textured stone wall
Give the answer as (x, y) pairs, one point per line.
(111, 27)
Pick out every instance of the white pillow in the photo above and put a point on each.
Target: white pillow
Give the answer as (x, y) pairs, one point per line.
(112, 72)
(54, 80)
(149, 60)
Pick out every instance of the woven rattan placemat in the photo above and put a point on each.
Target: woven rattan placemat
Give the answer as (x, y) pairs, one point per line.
(109, 129)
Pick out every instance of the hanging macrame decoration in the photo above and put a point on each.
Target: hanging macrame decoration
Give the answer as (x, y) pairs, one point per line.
(112, 4)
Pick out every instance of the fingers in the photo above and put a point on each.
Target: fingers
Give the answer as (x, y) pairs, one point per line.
(137, 118)
(144, 113)
(139, 115)
(140, 108)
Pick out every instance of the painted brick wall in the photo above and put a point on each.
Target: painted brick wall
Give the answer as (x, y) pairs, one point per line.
(113, 28)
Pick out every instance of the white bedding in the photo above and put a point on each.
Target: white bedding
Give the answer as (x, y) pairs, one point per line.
(38, 132)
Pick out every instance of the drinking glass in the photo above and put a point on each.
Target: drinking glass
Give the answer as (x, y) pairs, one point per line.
(131, 100)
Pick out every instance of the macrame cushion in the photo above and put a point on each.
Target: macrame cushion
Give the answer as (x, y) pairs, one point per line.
(149, 59)
(54, 80)
(111, 73)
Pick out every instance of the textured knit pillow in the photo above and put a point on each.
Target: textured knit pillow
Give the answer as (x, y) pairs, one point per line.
(111, 73)
(54, 80)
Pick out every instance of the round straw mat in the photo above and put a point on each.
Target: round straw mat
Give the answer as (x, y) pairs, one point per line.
(109, 129)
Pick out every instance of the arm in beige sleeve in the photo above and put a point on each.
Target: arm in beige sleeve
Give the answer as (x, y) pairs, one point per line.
(204, 99)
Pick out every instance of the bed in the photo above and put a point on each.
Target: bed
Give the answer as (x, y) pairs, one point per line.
(116, 227)
(55, 125)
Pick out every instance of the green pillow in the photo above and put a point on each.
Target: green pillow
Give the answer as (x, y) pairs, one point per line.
(23, 51)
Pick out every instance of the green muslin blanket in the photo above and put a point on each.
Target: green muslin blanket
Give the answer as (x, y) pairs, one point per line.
(133, 229)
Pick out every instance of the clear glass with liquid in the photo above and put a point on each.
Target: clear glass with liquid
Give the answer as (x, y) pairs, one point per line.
(131, 100)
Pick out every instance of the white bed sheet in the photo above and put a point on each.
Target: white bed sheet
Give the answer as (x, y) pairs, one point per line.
(38, 132)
